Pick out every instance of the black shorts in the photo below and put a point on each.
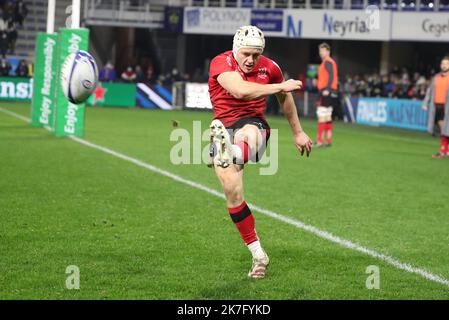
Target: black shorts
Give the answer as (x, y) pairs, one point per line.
(327, 101)
(259, 123)
(439, 112)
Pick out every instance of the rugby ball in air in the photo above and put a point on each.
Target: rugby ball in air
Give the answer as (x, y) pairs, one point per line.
(79, 76)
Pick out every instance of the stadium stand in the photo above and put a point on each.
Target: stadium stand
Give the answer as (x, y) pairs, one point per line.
(35, 22)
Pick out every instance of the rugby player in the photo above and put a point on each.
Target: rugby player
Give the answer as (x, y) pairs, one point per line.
(327, 87)
(239, 81)
(437, 104)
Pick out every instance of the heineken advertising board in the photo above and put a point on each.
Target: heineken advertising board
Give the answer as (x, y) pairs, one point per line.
(106, 94)
(42, 106)
(15, 88)
(113, 95)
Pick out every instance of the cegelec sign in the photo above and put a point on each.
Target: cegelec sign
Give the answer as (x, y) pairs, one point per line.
(422, 26)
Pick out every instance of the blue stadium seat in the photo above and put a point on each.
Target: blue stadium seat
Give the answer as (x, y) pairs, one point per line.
(444, 5)
(427, 5)
(357, 5)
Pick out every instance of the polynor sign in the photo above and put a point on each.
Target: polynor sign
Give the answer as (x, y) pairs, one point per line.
(223, 21)
(422, 26)
(370, 24)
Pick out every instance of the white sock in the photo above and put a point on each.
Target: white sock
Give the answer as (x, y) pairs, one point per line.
(237, 153)
(256, 250)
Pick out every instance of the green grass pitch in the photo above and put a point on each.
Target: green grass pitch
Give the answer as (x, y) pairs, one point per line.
(135, 234)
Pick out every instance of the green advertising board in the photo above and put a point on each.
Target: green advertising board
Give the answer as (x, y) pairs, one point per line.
(106, 94)
(15, 88)
(69, 119)
(42, 106)
(113, 95)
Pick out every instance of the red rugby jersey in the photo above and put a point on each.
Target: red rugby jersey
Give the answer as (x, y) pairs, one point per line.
(229, 109)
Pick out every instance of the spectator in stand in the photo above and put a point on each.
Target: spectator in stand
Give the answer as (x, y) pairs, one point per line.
(107, 73)
(399, 83)
(150, 71)
(20, 12)
(140, 75)
(175, 75)
(361, 86)
(10, 20)
(197, 75)
(22, 69)
(129, 75)
(30, 69)
(3, 36)
(387, 86)
(349, 86)
(5, 67)
(421, 87)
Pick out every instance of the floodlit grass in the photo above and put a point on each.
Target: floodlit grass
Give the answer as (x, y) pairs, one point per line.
(135, 234)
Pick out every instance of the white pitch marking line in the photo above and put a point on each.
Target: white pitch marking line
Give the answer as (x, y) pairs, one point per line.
(293, 222)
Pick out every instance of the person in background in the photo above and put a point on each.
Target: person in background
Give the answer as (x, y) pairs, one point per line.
(129, 75)
(437, 103)
(327, 86)
(30, 69)
(421, 88)
(4, 44)
(150, 71)
(175, 75)
(5, 67)
(107, 73)
(140, 75)
(22, 69)
(10, 21)
(20, 12)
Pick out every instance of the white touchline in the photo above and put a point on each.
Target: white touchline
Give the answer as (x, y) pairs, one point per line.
(294, 222)
(15, 115)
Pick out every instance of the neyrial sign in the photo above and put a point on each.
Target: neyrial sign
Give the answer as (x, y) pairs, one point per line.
(223, 21)
(420, 26)
(370, 24)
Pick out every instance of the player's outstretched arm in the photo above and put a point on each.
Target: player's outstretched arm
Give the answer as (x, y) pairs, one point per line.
(302, 140)
(245, 90)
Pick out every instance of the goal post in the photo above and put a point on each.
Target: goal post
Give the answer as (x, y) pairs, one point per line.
(69, 117)
(49, 107)
(42, 103)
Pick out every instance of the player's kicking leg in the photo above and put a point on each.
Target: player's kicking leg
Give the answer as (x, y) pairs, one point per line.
(228, 163)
